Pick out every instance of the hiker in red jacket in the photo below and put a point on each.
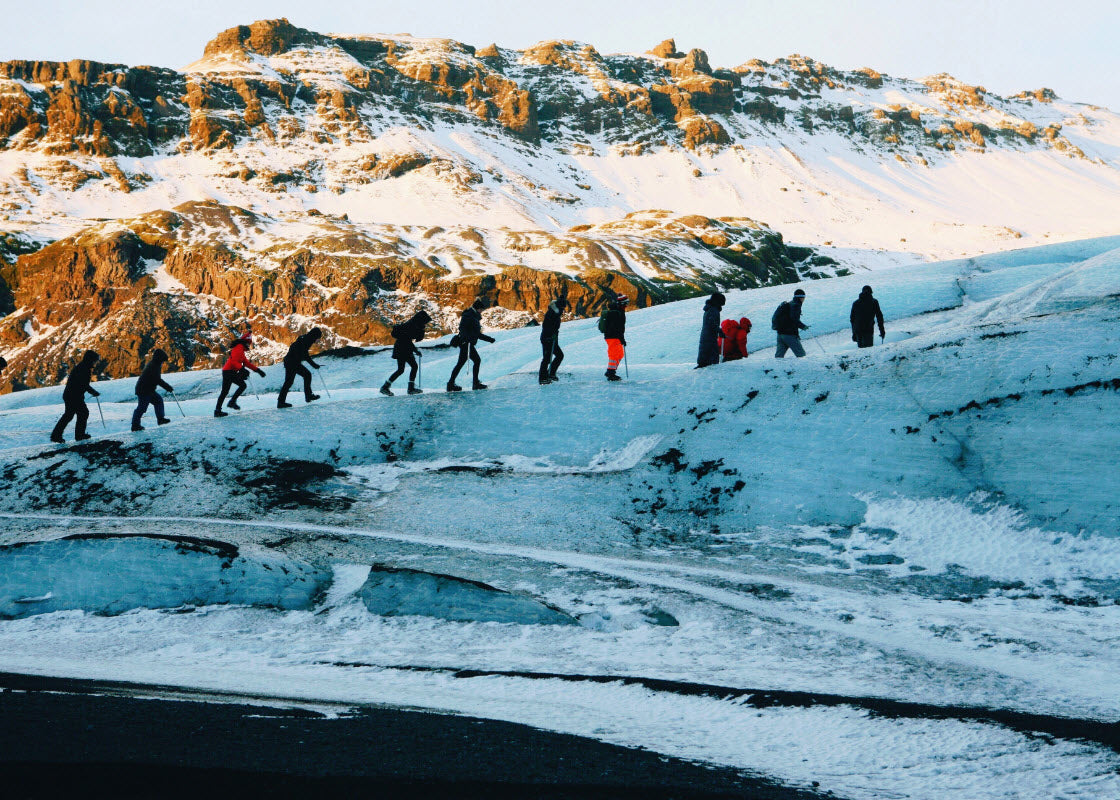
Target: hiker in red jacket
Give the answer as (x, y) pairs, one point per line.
(735, 338)
(236, 371)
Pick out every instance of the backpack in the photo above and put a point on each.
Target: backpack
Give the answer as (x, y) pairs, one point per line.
(398, 331)
(781, 313)
(603, 319)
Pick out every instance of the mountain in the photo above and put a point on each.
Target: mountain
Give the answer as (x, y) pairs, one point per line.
(294, 178)
(865, 573)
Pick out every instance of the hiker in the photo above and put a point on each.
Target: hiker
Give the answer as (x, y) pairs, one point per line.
(787, 322)
(299, 352)
(470, 331)
(236, 371)
(3, 363)
(710, 332)
(735, 338)
(406, 352)
(613, 326)
(551, 354)
(146, 392)
(865, 313)
(74, 398)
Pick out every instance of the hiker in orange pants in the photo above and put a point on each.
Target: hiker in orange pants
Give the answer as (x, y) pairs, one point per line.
(614, 331)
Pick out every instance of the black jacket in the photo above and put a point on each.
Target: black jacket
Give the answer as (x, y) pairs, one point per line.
(470, 327)
(865, 313)
(150, 378)
(550, 325)
(789, 321)
(615, 325)
(408, 332)
(77, 384)
(300, 351)
(710, 335)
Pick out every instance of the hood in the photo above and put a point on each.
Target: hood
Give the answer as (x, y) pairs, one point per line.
(866, 292)
(745, 324)
(422, 316)
(729, 325)
(315, 334)
(90, 357)
(159, 355)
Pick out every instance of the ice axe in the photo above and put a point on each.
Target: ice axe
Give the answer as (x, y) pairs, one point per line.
(176, 399)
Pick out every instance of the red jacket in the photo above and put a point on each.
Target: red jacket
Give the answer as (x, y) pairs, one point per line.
(735, 338)
(237, 359)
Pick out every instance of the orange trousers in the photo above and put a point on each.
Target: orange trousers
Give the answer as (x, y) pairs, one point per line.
(615, 353)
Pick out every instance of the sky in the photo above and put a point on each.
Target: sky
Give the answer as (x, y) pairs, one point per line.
(1004, 45)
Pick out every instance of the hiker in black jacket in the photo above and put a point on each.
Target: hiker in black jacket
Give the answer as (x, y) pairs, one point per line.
(146, 390)
(298, 352)
(787, 322)
(406, 352)
(865, 313)
(74, 398)
(3, 363)
(710, 333)
(470, 331)
(613, 327)
(551, 354)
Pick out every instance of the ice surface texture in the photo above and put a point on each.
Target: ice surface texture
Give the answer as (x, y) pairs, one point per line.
(393, 592)
(114, 574)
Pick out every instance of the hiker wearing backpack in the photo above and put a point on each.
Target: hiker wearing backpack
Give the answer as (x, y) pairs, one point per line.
(146, 393)
(74, 398)
(735, 338)
(787, 322)
(612, 324)
(710, 332)
(865, 313)
(298, 352)
(470, 331)
(405, 351)
(235, 372)
(551, 354)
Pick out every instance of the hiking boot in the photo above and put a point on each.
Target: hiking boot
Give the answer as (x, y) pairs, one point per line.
(612, 375)
(137, 428)
(413, 390)
(553, 377)
(163, 421)
(283, 404)
(312, 397)
(57, 439)
(385, 390)
(219, 413)
(544, 381)
(233, 404)
(454, 387)
(478, 385)
(81, 437)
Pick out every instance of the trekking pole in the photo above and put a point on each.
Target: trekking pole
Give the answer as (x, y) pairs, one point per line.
(325, 389)
(821, 346)
(98, 399)
(252, 386)
(419, 370)
(176, 399)
(626, 363)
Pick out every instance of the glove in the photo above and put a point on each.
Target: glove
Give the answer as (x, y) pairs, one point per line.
(260, 372)
(882, 335)
(316, 366)
(623, 342)
(95, 393)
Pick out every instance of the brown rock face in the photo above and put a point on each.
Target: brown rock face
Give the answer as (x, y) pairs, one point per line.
(667, 49)
(265, 37)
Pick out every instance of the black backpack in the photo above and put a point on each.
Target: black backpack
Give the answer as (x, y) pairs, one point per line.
(781, 314)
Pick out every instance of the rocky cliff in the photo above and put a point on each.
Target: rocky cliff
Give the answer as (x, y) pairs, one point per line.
(292, 178)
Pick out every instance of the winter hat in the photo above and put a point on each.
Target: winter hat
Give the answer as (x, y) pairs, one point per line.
(159, 355)
(799, 293)
(866, 290)
(718, 299)
(561, 303)
(479, 303)
(745, 324)
(90, 356)
(315, 334)
(621, 299)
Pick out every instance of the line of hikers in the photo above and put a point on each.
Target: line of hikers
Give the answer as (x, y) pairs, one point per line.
(727, 340)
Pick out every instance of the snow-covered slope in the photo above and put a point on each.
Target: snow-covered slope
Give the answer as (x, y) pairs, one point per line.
(887, 571)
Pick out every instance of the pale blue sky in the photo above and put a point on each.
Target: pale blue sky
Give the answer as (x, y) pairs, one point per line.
(1005, 45)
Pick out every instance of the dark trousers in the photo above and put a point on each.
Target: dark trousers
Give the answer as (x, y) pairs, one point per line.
(466, 350)
(865, 338)
(551, 356)
(231, 377)
(74, 408)
(409, 362)
(144, 399)
(290, 373)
